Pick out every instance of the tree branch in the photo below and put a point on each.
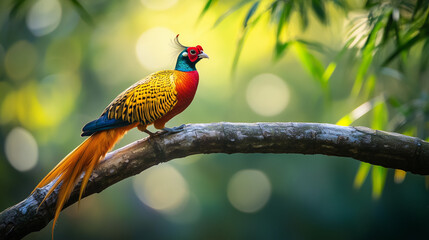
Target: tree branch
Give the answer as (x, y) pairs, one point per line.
(390, 150)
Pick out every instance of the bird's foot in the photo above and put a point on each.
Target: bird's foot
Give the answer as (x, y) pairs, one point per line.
(151, 134)
(142, 128)
(174, 129)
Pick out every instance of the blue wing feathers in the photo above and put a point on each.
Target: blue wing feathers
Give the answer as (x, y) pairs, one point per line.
(102, 123)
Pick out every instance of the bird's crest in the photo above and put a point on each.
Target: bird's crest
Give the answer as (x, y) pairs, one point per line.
(176, 41)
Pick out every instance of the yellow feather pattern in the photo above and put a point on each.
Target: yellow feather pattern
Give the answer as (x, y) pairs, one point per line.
(147, 100)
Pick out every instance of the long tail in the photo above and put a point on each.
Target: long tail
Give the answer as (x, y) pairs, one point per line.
(82, 159)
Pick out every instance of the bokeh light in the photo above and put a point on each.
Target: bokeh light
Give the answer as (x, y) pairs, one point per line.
(7, 111)
(154, 47)
(21, 149)
(20, 60)
(63, 55)
(267, 94)
(188, 214)
(41, 104)
(249, 190)
(44, 17)
(158, 4)
(54, 104)
(162, 188)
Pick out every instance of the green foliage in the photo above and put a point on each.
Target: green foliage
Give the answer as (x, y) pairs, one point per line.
(52, 84)
(383, 38)
(232, 10)
(245, 30)
(402, 24)
(379, 122)
(314, 66)
(208, 4)
(250, 13)
(378, 179)
(367, 57)
(17, 5)
(82, 12)
(361, 174)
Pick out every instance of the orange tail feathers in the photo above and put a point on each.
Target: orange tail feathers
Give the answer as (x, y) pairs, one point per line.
(82, 159)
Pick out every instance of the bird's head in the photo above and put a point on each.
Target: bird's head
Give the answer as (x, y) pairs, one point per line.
(189, 56)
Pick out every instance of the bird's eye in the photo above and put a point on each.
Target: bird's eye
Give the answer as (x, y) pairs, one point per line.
(193, 52)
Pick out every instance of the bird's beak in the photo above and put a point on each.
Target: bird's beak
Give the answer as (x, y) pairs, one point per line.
(203, 55)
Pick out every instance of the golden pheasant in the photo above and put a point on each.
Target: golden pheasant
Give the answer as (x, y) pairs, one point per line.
(153, 100)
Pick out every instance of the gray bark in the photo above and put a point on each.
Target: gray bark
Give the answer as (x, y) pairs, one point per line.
(390, 150)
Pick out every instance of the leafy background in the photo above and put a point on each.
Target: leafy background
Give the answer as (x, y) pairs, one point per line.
(345, 62)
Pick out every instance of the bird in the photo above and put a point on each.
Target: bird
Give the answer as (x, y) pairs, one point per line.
(154, 99)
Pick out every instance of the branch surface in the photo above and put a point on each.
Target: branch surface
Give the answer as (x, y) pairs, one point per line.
(387, 149)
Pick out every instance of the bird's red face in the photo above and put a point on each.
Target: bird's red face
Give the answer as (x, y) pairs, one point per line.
(195, 53)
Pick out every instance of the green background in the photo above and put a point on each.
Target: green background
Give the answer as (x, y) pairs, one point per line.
(57, 76)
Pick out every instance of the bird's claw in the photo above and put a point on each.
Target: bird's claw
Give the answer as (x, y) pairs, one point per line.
(151, 134)
(174, 129)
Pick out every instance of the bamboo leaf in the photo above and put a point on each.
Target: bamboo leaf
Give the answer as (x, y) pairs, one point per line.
(319, 9)
(207, 6)
(359, 111)
(284, 17)
(361, 174)
(370, 86)
(341, 4)
(380, 116)
(303, 14)
(387, 29)
(417, 7)
(250, 13)
(360, 76)
(394, 102)
(309, 61)
(406, 46)
(379, 122)
(230, 11)
(17, 5)
(367, 57)
(282, 22)
(378, 180)
(369, 4)
(328, 73)
(83, 12)
(238, 50)
(273, 8)
(313, 45)
(399, 176)
(281, 48)
(345, 121)
(412, 131)
(240, 43)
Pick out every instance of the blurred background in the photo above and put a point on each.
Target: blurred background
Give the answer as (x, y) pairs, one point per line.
(345, 62)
